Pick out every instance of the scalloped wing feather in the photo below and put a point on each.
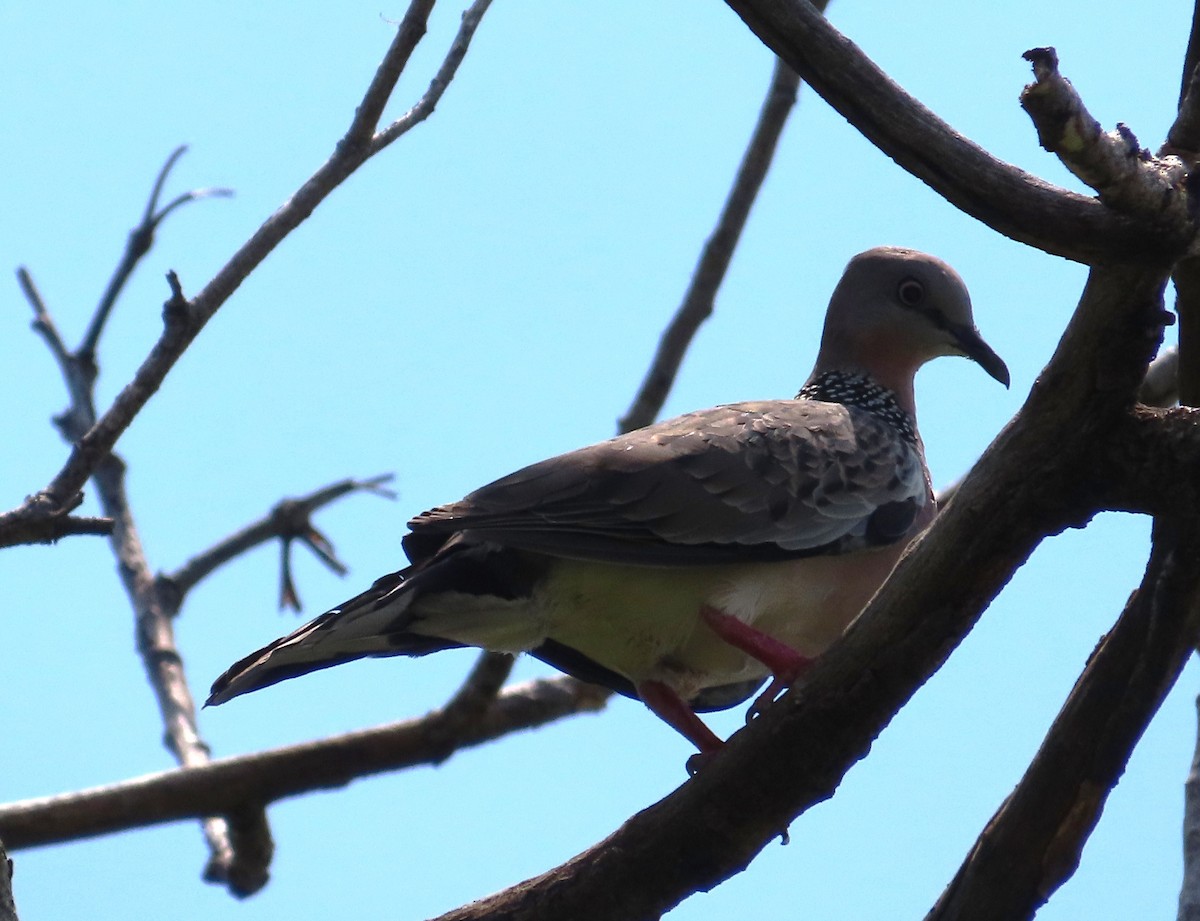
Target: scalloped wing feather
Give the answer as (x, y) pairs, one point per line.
(763, 480)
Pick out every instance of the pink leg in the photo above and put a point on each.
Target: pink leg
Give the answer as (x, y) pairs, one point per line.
(674, 711)
(785, 663)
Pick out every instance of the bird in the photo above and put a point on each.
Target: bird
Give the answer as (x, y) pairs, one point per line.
(687, 563)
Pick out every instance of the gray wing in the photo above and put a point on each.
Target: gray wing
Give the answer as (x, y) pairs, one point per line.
(764, 480)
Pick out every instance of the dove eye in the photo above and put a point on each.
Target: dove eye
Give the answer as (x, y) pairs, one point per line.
(911, 292)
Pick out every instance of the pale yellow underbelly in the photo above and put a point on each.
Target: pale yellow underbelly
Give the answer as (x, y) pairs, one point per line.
(643, 622)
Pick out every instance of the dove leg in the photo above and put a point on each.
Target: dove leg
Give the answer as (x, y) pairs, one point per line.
(785, 663)
(674, 711)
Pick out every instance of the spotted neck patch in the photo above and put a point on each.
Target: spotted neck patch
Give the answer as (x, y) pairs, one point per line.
(860, 391)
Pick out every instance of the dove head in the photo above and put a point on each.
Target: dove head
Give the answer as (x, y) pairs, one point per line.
(896, 309)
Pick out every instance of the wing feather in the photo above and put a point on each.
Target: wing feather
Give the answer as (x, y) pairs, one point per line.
(762, 480)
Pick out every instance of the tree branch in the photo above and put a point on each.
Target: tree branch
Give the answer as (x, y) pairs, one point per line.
(714, 261)
(186, 319)
(289, 519)
(224, 785)
(1126, 177)
(1008, 200)
(1032, 844)
(437, 86)
(141, 239)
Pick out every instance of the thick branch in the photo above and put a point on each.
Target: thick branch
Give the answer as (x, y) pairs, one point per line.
(1032, 844)
(1007, 199)
(223, 786)
(714, 261)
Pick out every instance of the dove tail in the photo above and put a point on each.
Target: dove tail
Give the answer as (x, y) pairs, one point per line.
(371, 624)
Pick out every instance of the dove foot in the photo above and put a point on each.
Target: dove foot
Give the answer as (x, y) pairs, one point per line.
(785, 663)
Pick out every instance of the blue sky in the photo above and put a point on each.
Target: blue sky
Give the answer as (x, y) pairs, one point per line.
(486, 293)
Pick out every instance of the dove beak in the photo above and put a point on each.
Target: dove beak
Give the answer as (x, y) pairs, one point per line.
(971, 344)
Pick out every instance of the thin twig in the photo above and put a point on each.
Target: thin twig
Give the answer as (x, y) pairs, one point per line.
(288, 519)
(138, 244)
(437, 86)
(714, 261)
(43, 323)
(408, 35)
(224, 785)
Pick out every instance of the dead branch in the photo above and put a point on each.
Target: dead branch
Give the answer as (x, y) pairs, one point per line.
(93, 438)
(225, 785)
(1008, 200)
(141, 239)
(289, 520)
(154, 635)
(187, 319)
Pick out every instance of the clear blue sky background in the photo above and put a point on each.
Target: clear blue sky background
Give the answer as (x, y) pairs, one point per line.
(486, 293)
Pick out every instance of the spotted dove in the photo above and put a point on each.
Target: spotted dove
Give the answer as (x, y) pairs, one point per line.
(688, 561)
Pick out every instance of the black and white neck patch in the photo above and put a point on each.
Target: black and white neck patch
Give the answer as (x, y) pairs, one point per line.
(861, 391)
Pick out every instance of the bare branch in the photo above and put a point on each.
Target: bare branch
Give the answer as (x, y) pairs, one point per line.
(288, 519)
(141, 239)
(428, 102)
(223, 786)
(1009, 200)
(714, 261)
(1032, 844)
(43, 323)
(370, 110)
(185, 323)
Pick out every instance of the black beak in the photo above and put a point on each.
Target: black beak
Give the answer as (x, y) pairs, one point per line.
(968, 339)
